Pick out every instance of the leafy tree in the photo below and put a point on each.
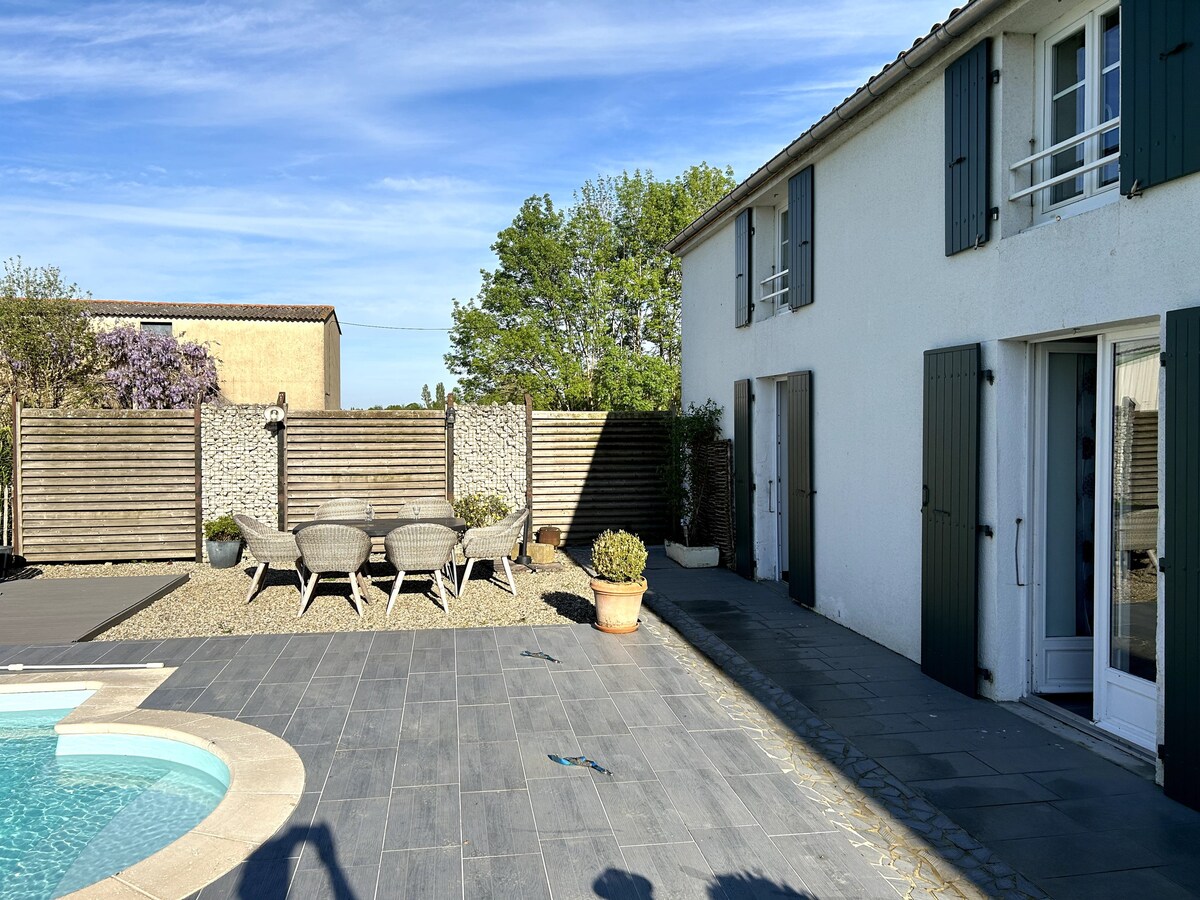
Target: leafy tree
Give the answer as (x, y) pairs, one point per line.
(583, 310)
(436, 400)
(149, 370)
(47, 345)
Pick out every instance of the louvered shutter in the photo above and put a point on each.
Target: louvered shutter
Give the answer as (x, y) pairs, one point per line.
(743, 480)
(801, 551)
(744, 282)
(949, 517)
(1181, 564)
(968, 142)
(1160, 91)
(800, 238)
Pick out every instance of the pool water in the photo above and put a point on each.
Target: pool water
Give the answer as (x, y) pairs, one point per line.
(67, 821)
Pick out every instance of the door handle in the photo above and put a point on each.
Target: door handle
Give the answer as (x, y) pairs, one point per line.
(770, 495)
(924, 496)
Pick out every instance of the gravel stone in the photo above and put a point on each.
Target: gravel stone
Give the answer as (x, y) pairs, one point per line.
(213, 601)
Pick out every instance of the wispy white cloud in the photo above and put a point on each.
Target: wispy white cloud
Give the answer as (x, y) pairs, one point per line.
(365, 152)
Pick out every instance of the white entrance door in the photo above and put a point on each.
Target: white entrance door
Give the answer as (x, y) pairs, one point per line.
(781, 476)
(1126, 658)
(1064, 580)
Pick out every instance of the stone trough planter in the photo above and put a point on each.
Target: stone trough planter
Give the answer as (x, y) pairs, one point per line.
(693, 557)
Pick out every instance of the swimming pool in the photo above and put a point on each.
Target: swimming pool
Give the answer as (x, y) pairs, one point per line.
(77, 808)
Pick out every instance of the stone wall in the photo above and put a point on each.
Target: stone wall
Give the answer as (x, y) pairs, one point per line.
(240, 463)
(489, 451)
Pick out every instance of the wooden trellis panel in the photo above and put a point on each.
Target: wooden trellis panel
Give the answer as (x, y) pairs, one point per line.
(384, 457)
(593, 471)
(100, 485)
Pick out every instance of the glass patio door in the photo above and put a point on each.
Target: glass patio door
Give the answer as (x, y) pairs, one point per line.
(1126, 658)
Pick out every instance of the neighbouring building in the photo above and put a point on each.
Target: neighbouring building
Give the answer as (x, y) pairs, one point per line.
(261, 349)
(955, 326)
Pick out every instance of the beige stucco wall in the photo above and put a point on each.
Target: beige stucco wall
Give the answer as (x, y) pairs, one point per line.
(258, 359)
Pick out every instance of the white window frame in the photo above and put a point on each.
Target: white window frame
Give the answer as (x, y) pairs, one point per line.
(781, 265)
(772, 283)
(1094, 194)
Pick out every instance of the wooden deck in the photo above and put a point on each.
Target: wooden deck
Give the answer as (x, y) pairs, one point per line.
(57, 610)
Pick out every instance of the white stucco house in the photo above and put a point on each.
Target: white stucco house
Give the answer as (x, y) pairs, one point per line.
(955, 326)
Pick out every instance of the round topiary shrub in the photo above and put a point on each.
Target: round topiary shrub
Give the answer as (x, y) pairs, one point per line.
(619, 556)
(479, 510)
(222, 528)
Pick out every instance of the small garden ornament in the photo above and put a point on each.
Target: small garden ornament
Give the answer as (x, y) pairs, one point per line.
(619, 559)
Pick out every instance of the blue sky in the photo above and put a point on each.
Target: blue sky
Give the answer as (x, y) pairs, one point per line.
(365, 154)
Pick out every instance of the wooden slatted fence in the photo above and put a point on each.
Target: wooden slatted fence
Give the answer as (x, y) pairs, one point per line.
(384, 457)
(106, 484)
(596, 470)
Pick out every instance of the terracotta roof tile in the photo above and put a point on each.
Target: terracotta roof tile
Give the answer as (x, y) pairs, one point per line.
(253, 311)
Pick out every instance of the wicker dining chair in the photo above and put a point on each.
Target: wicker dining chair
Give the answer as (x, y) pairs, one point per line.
(268, 547)
(345, 508)
(426, 508)
(492, 542)
(328, 549)
(420, 547)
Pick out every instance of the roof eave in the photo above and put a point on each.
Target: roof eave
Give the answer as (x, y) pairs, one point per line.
(922, 50)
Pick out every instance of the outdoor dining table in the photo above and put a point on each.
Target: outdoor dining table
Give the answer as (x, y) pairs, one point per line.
(383, 527)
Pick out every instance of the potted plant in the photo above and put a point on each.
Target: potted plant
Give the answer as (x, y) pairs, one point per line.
(687, 484)
(619, 559)
(479, 510)
(223, 542)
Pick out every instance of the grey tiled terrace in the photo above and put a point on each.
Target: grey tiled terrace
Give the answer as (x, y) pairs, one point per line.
(1067, 818)
(810, 763)
(435, 783)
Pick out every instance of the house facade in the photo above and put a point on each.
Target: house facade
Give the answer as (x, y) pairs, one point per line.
(260, 349)
(955, 327)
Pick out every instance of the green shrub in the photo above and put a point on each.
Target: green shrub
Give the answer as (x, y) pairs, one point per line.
(479, 510)
(619, 556)
(222, 529)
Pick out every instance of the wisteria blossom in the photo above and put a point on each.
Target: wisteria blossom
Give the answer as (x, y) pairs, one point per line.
(150, 370)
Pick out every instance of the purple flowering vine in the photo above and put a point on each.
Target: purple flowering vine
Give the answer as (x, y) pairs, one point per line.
(150, 370)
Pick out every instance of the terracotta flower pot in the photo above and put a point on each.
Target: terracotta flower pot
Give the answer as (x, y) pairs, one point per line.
(618, 604)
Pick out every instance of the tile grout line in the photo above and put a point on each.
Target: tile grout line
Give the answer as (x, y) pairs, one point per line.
(462, 863)
(396, 764)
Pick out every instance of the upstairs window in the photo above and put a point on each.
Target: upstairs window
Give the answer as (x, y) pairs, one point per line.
(1083, 109)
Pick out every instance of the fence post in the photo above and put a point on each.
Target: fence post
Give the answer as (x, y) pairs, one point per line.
(524, 559)
(199, 484)
(281, 497)
(18, 544)
(451, 416)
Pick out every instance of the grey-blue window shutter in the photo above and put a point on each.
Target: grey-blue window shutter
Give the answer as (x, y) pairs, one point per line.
(968, 146)
(743, 231)
(800, 238)
(1160, 91)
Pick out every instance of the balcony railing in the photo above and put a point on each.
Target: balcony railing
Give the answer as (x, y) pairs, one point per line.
(1083, 139)
(769, 288)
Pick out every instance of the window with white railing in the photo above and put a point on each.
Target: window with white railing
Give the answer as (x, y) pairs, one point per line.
(1080, 118)
(773, 289)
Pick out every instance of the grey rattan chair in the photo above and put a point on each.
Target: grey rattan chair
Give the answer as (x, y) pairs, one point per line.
(427, 508)
(420, 547)
(345, 508)
(327, 549)
(492, 542)
(269, 547)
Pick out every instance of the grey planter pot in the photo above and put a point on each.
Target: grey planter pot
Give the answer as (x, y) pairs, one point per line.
(223, 554)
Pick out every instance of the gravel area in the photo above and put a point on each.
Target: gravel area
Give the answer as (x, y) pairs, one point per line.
(213, 601)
